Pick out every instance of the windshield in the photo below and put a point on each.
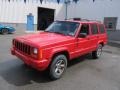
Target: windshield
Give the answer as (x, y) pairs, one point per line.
(63, 27)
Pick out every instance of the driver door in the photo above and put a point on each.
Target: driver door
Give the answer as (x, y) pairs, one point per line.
(83, 43)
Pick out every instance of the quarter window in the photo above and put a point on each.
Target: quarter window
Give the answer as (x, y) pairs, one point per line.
(102, 30)
(94, 29)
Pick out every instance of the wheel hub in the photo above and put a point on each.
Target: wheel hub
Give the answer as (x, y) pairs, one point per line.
(99, 51)
(60, 67)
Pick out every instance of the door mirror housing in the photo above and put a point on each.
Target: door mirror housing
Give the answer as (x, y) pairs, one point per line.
(82, 35)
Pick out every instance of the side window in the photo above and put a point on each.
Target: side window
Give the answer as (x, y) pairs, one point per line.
(94, 29)
(85, 29)
(101, 28)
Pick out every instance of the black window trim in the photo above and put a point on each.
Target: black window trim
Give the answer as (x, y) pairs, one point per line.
(85, 24)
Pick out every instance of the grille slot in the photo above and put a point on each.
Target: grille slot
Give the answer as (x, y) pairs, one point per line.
(22, 47)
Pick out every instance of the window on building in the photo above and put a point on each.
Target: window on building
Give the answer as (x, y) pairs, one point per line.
(85, 29)
(110, 25)
(101, 28)
(94, 29)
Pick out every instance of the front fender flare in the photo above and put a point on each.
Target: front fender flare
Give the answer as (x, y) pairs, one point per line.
(57, 50)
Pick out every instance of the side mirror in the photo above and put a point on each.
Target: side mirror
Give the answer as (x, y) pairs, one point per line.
(82, 35)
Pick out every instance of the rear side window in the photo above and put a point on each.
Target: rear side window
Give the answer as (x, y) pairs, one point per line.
(101, 28)
(94, 29)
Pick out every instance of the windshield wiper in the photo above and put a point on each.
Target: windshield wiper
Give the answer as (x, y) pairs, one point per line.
(55, 32)
(66, 34)
(48, 31)
(60, 33)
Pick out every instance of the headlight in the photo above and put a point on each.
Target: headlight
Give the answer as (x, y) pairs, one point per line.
(35, 50)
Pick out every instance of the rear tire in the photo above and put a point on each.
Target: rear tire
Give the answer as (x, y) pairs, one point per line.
(4, 31)
(58, 67)
(96, 54)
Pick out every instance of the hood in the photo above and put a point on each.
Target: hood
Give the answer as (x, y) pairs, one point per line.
(45, 38)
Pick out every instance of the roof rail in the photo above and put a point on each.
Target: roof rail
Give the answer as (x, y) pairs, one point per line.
(74, 19)
(96, 21)
(90, 20)
(79, 19)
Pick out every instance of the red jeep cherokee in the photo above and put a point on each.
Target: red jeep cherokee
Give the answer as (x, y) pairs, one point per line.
(60, 42)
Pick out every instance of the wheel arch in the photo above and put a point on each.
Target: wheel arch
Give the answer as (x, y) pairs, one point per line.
(64, 52)
(101, 42)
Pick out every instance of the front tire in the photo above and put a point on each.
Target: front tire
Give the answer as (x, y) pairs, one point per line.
(58, 67)
(96, 54)
(4, 31)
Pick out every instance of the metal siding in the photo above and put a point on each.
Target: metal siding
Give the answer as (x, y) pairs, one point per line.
(16, 12)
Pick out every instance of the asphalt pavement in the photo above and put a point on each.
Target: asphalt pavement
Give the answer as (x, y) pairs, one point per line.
(114, 38)
(82, 73)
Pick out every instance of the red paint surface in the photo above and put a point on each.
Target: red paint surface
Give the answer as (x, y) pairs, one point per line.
(50, 43)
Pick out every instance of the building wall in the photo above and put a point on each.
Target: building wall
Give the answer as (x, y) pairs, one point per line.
(97, 10)
(15, 13)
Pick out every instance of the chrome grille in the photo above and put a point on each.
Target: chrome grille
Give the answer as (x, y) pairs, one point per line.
(22, 47)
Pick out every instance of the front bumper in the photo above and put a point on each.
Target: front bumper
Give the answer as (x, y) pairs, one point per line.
(40, 65)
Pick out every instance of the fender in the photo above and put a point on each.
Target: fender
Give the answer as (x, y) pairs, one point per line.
(101, 41)
(57, 50)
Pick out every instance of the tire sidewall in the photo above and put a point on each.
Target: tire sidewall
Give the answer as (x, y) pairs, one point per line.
(52, 73)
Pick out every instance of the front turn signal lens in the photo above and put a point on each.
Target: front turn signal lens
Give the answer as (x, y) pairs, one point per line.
(41, 54)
